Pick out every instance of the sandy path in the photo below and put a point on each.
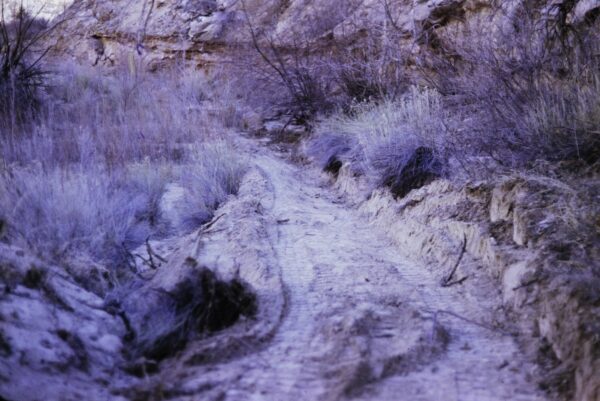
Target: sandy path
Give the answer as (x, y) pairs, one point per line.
(363, 320)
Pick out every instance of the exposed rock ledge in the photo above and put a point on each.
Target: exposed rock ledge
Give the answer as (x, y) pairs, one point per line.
(210, 31)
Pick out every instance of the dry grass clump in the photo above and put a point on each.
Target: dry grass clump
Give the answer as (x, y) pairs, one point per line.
(216, 174)
(379, 139)
(563, 121)
(60, 211)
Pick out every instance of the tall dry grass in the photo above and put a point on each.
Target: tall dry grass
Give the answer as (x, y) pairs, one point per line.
(89, 174)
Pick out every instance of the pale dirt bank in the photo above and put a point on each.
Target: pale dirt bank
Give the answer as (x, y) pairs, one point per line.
(535, 235)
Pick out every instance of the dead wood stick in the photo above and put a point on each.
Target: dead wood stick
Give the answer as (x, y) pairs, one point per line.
(471, 321)
(212, 222)
(447, 281)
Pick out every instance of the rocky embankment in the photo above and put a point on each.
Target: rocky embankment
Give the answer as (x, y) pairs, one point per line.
(537, 237)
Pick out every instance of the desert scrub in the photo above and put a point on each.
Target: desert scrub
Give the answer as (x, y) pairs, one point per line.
(526, 92)
(379, 139)
(61, 211)
(90, 174)
(120, 117)
(216, 174)
(563, 121)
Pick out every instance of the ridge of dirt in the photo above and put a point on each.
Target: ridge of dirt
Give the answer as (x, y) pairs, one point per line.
(237, 246)
(59, 341)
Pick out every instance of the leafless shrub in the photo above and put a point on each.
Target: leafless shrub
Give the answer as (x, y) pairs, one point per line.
(366, 73)
(529, 91)
(524, 91)
(21, 75)
(372, 69)
(295, 66)
(57, 212)
(321, 74)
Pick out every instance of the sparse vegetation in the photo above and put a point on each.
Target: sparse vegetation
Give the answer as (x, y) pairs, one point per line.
(531, 92)
(111, 178)
(291, 65)
(526, 92)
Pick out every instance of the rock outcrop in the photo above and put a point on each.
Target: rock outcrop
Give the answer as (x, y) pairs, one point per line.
(206, 32)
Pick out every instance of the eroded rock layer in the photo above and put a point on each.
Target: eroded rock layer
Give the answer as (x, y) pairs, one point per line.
(209, 31)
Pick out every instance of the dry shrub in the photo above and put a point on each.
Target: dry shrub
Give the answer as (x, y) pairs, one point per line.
(217, 174)
(380, 139)
(202, 303)
(59, 212)
(291, 67)
(528, 91)
(21, 75)
(306, 74)
(117, 118)
(371, 68)
(293, 75)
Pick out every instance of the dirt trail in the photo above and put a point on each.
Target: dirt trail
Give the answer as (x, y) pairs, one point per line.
(363, 320)
(343, 313)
